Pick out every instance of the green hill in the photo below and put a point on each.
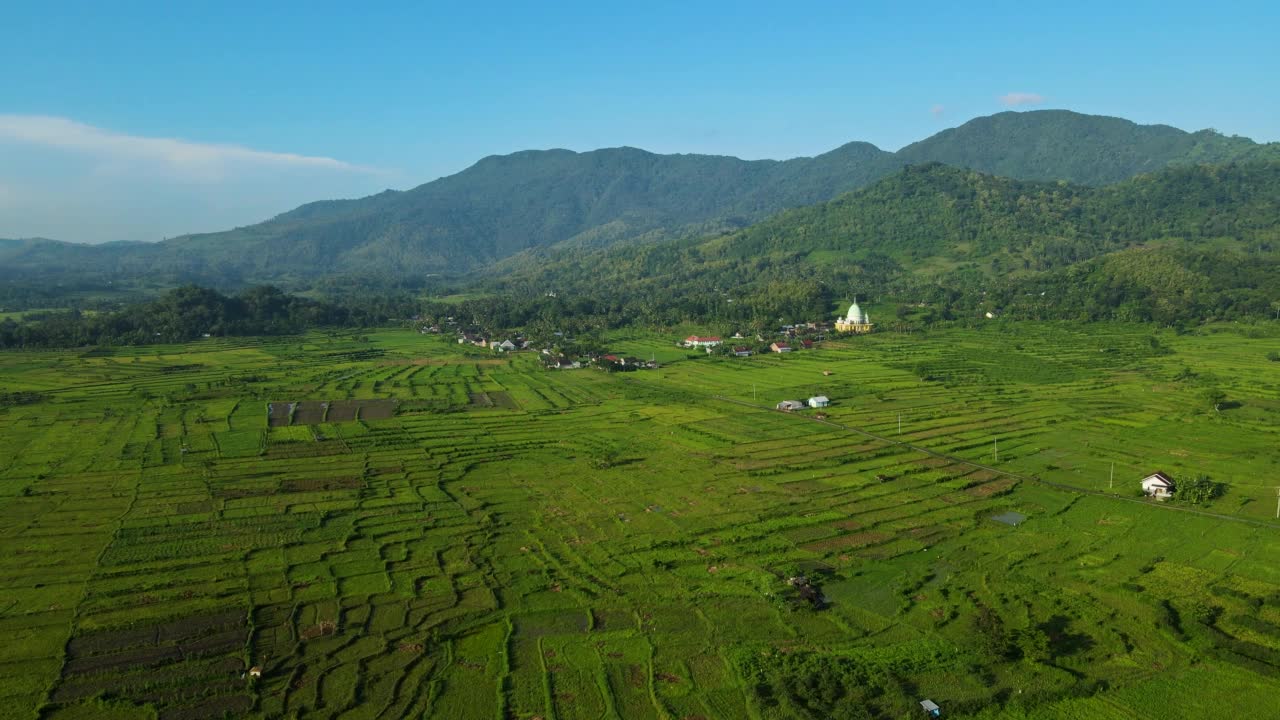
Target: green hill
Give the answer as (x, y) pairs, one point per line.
(1084, 149)
(506, 205)
(1195, 241)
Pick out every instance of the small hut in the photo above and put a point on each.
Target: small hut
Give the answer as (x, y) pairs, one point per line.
(931, 708)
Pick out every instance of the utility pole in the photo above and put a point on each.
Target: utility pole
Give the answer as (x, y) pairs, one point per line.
(1113, 476)
(996, 444)
(1278, 503)
(899, 423)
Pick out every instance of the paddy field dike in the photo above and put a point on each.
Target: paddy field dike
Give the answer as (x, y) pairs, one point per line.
(393, 525)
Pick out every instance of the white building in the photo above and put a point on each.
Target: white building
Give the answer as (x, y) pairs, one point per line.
(855, 321)
(694, 341)
(819, 401)
(1158, 485)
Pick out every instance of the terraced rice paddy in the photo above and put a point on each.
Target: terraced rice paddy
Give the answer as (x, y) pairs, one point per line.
(402, 528)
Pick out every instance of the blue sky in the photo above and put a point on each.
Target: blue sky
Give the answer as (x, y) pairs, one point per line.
(142, 120)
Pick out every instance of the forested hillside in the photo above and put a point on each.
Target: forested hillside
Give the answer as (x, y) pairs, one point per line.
(1184, 244)
(505, 205)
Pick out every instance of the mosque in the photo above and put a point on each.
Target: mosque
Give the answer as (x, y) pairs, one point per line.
(857, 321)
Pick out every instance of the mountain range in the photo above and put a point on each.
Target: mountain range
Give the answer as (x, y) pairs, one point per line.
(534, 201)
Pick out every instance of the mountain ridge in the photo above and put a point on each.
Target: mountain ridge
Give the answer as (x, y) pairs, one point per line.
(504, 205)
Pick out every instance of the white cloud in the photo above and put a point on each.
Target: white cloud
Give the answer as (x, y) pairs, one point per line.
(1015, 99)
(937, 111)
(206, 161)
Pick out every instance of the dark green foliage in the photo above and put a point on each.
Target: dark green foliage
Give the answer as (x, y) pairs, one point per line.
(1033, 645)
(20, 397)
(188, 313)
(992, 638)
(816, 686)
(1198, 491)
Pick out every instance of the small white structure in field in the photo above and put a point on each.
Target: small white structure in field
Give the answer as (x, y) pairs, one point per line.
(931, 708)
(789, 405)
(1158, 485)
(819, 401)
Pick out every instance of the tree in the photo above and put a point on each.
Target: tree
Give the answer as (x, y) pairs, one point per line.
(990, 634)
(1200, 490)
(1033, 644)
(1215, 397)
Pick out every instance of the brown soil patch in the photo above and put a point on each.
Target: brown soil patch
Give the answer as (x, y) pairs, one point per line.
(324, 627)
(855, 540)
(314, 484)
(991, 488)
(199, 506)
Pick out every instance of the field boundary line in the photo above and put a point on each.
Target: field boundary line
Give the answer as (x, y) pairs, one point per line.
(1006, 473)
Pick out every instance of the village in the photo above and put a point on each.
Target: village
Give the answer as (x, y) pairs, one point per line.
(555, 353)
(561, 352)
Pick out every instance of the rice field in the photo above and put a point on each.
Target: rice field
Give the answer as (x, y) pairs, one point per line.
(394, 526)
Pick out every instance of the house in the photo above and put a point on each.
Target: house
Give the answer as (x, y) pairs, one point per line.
(709, 341)
(780, 347)
(790, 405)
(807, 344)
(255, 671)
(819, 401)
(505, 346)
(1158, 485)
(741, 351)
(931, 708)
(564, 363)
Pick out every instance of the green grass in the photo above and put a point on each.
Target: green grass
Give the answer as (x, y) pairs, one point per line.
(519, 542)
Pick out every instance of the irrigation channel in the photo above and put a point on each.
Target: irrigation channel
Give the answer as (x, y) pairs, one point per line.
(1006, 473)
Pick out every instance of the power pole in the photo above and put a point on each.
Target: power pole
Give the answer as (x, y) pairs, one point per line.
(1113, 476)
(899, 423)
(996, 443)
(1278, 503)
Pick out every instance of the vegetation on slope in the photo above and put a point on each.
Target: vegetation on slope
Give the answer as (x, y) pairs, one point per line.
(191, 312)
(537, 199)
(1185, 244)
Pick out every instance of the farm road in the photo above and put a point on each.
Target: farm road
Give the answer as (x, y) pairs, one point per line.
(1006, 473)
